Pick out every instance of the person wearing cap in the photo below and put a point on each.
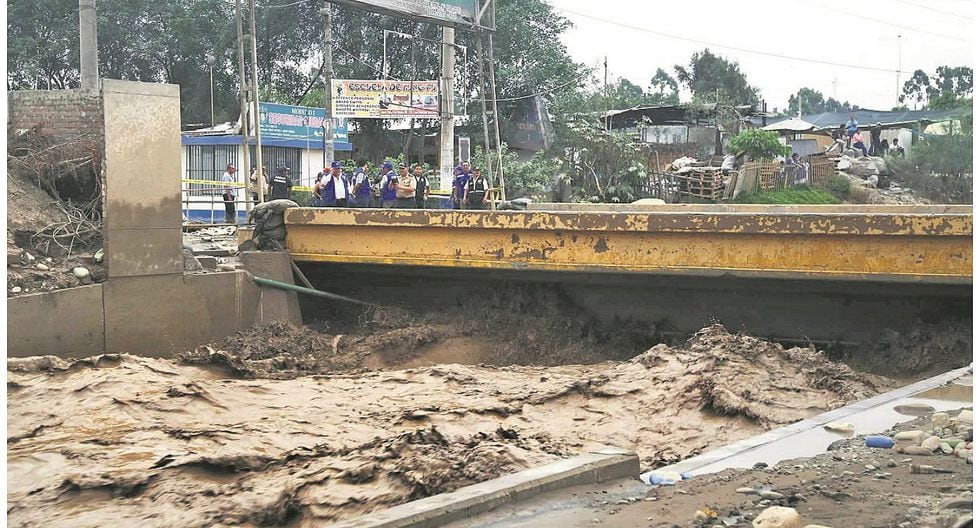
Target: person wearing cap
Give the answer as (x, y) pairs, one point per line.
(228, 194)
(282, 185)
(405, 189)
(362, 185)
(389, 186)
(422, 186)
(460, 184)
(336, 190)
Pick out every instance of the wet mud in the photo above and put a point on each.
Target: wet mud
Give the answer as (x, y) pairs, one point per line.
(214, 439)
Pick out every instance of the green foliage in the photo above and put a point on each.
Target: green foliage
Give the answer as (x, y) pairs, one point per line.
(712, 78)
(521, 179)
(758, 144)
(601, 166)
(839, 185)
(814, 103)
(950, 87)
(940, 168)
(792, 195)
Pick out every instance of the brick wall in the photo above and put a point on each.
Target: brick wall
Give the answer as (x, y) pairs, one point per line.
(64, 114)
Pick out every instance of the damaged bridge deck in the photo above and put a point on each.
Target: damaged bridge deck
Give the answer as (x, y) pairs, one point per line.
(911, 244)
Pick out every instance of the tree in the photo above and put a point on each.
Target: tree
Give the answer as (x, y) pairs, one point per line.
(814, 103)
(711, 78)
(664, 88)
(950, 87)
(758, 144)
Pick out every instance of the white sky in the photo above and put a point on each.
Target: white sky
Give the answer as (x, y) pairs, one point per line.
(812, 29)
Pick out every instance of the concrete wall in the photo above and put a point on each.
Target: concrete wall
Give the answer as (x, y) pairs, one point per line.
(66, 323)
(142, 179)
(148, 306)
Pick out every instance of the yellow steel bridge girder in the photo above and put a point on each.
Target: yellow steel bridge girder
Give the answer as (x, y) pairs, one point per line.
(931, 245)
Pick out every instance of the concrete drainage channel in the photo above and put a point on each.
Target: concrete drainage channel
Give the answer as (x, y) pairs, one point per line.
(590, 468)
(491, 503)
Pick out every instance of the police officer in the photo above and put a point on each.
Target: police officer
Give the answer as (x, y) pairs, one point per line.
(421, 187)
(362, 186)
(281, 185)
(389, 186)
(476, 191)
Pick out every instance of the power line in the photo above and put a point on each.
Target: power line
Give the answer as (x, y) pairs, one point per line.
(281, 5)
(735, 48)
(885, 22)
(960, 15)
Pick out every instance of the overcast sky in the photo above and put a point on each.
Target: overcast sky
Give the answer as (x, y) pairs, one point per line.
(861, 34)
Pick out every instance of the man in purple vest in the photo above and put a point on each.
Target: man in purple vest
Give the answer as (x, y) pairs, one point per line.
(336, 191)
(389, 186)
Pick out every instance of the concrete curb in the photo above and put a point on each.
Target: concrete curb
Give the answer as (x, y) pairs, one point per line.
(441, 509)
(697, 463)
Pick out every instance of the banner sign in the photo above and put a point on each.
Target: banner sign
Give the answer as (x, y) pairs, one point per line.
(382, 99)
(297, 122)
(532, 127)
(451, 12)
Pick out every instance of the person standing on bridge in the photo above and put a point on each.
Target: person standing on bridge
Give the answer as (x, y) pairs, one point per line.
(362, 185)
(336, 191)
(405, 190)
(389, 186)
(460, 183)
(228, 194)
(421, 186)
(476, 191)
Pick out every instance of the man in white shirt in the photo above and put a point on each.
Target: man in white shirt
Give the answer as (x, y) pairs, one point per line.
(228, 194)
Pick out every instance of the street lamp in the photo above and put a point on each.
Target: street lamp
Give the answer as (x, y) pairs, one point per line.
(211, 60)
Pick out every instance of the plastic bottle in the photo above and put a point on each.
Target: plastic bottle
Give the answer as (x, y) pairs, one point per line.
(881, 442)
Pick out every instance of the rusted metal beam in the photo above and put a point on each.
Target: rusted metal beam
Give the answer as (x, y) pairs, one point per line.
(876, 245)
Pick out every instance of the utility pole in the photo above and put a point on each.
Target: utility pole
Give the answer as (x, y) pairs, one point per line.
(88, 44)
(799, 112)
(483, 102)
(898, 72)
(327, 88)
(496, 115)
(243, 103)
(210, 59)
(447, 132)
(605, 87)
(255, 100)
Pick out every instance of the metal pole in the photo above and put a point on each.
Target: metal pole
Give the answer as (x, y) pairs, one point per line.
(88, 44)
(211, 80)
(496, 116)
(898, 72)
(327, 88)
(483, 104)
(447, 132)
(243, 100)
(255, 101)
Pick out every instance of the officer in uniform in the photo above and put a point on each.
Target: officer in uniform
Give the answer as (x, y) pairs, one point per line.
(282, 185)
(476, 192)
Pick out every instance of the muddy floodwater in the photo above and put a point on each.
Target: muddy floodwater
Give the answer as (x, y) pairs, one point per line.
(116, 440)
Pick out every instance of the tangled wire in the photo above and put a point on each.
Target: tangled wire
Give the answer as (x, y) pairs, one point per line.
(68, 172)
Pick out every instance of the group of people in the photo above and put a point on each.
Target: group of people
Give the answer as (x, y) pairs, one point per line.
(391, 190)
(848, 135)
(388, 189)
(279, 187)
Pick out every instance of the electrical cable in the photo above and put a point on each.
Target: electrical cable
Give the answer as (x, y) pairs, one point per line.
(885, 22)
(959, 15)
(735, 48)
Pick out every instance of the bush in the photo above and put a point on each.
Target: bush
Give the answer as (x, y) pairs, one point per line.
(839, 185)
(521, 179)
(758, 144)
(939, 169)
